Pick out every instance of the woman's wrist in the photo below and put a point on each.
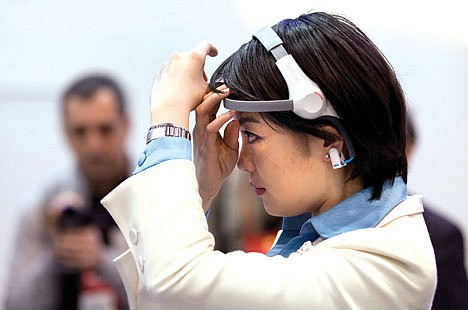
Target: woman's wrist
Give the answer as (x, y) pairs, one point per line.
(170, 115)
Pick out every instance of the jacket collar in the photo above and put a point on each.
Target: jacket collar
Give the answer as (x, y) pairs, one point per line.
(355, 212)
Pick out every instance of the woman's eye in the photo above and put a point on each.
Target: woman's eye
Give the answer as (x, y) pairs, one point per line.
(251, 137)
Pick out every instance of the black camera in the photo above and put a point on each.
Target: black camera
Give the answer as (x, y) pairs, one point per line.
(72, 217)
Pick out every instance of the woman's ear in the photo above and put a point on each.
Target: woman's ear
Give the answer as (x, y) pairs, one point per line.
(337, 143)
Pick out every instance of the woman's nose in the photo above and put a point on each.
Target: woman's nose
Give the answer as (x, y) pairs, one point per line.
(245, 162)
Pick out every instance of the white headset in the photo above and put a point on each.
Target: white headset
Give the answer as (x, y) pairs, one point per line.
(306, 99)
(336, 158)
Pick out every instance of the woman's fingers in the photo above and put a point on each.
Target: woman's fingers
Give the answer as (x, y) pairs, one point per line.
(217, 123)
(206, 48)
(206, 111)
(212, 130)
(231, 135)
(180, 85)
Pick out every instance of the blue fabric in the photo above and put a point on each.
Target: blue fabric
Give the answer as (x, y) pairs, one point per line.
(162, 149)
(355, 212)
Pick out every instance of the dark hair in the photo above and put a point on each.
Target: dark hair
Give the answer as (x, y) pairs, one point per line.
(353, 75)
(411, 134)
(86, 86)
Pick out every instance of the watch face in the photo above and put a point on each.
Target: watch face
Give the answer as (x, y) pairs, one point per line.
(166, 130)
(155, 133)
(160, 132)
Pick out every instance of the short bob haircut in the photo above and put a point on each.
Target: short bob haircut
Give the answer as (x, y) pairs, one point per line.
(354, 76)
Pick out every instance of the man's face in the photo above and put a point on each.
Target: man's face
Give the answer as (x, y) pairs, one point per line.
(96, 133)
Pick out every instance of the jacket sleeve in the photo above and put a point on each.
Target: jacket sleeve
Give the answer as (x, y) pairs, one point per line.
(452, 284)
(107, 269)
(32, 283)
(159, 212)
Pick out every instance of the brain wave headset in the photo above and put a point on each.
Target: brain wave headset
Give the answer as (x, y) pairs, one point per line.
(306, 99)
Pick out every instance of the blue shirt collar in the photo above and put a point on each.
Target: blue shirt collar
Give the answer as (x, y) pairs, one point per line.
(355, 212)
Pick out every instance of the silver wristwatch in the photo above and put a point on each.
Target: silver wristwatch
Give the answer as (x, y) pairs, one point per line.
(167, 130)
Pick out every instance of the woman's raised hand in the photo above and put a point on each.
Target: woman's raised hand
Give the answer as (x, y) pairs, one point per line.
(215, 156)
(180, 86)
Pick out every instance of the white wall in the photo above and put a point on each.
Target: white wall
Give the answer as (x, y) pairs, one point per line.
(45, 44)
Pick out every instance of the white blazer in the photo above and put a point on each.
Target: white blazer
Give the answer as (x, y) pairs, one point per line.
(171, 263)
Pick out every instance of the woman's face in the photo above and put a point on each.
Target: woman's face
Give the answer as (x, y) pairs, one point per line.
(290, 180)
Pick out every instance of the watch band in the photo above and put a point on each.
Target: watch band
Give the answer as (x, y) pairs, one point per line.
(167, 130)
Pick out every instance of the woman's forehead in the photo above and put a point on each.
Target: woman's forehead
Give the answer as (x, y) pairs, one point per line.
(249, 117)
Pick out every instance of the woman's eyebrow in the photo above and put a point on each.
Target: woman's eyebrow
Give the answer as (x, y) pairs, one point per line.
(247, 119)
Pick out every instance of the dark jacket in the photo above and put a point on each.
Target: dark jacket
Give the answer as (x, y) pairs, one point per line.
(452, 284)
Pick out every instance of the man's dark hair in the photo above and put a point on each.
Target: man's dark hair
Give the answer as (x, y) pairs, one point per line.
(354, 76)
(86, 87)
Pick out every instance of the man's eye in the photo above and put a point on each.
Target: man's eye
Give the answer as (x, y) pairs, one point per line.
(78, 131)
(106, 129)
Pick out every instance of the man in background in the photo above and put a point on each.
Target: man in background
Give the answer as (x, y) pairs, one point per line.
(447, 240)
(62, 257)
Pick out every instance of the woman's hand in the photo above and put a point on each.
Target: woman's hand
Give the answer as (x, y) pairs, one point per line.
(215, 157)
(180, 86)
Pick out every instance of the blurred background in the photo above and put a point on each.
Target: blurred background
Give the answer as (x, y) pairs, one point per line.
(46, 44)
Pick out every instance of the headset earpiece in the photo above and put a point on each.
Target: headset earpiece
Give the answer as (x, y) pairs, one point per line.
(336, 159)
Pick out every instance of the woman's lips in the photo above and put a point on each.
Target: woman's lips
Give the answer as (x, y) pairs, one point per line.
(258, 190)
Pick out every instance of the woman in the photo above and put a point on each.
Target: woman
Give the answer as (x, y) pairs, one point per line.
(333, 166)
